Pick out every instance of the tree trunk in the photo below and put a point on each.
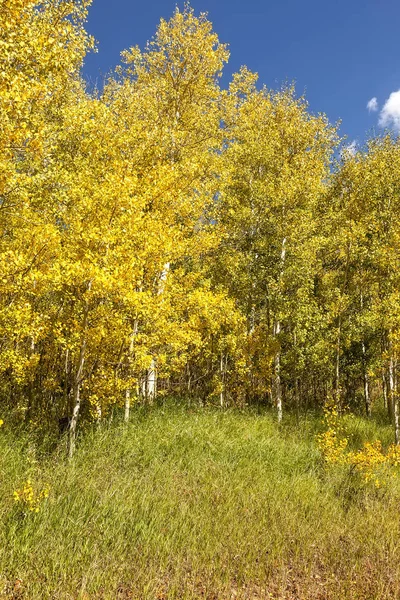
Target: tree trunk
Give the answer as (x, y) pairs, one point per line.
(76, 394)
(76, 389)
(393, 399)
(149, 383)
(338, 395)
(367, 396)
(384, 391)
(130, 358)
(277, 384)
(337, 368)
(223, 374)
(127, 404)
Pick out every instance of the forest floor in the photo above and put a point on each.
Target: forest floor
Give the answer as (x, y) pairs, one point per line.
(190, 504)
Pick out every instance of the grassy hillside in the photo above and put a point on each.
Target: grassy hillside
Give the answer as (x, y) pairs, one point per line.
(196, 504)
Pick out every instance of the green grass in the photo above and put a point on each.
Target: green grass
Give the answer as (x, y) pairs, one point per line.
(197, 504)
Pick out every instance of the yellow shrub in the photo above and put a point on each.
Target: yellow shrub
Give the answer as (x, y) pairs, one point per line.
(371, 460)
(28, 499)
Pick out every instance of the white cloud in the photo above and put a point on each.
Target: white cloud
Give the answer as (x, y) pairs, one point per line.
(372, 105)
(350, 150)
(390, 113)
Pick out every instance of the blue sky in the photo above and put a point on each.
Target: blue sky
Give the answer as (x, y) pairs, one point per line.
(340, 53)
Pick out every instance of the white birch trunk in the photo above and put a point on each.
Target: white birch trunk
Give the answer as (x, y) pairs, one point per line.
(394, 400)
(337, 367)
(76, 390)
(339, 333)
(277, 385)
(127, 405)
(149, 383)
(222, 373)
(76, 399)
(367, 397)
(65, 392)
(384, 391)
(385, 377)
(163, 278)
(128, 390)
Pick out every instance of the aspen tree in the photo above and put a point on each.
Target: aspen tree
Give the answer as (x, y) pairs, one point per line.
(365, 204)
(275, 169)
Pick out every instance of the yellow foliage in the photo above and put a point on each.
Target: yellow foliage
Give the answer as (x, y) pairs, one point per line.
(29, 499)
(168, 226)
(371, 460)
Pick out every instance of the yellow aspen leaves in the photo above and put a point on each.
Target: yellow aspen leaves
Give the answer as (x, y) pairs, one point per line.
(167, 235)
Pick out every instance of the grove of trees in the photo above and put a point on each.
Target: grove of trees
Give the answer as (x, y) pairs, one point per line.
(166, 236)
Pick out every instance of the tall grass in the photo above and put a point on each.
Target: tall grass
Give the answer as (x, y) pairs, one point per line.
(197, 504)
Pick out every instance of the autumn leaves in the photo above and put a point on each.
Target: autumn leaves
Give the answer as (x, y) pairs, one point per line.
(232, 189)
